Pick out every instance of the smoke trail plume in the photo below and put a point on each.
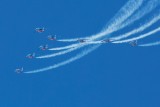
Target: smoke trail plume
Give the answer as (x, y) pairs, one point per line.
(78, 56)
(60, 53)
(150, 44)
(70, 50)
(137, 30)
(139, 37)
(65, 47)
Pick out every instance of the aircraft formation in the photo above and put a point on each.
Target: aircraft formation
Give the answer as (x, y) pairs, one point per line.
(131, 12)
(53, 38)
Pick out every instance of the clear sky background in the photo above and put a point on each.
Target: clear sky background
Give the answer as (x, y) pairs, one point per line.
(115, 75)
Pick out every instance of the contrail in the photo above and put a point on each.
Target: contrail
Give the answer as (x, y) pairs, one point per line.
(150, 44)
(125, 12)
(66, 47)
(152, 4)
(139, 37)
(60, 53)
(75, 45)
(140, 29)
(70, 50)
(78, 56)
(69, 40)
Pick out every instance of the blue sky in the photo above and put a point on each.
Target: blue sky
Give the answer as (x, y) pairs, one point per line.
(111, 76)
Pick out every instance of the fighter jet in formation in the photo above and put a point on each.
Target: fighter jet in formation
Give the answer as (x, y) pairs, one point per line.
(133, 43)
(106, 41)
(82, 40)
(19, 70)
(39, 30)
(31, 56)
(50, 37)
(43, 47)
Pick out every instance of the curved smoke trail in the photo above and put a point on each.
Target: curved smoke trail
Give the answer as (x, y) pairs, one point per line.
(75, 45)
(78, 56)
(150, 44)
(60, 53)
(152, 4)
(140, 29)
(70, 50)
(139, 37)
(65, 47)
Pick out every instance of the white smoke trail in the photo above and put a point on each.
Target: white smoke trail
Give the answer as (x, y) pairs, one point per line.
(139, 37)
(150, 44)
(85, 52)
(125, 12)
(75, 45)
(152, 4)
(65, 47)
(71, 49)
(69, 40)
(140, 29)
(60, 53)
